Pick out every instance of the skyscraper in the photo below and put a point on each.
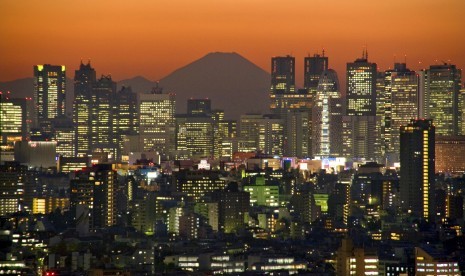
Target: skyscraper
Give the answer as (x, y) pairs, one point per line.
(284, 100)
(64, 133)
(361, 87)
(101, 135)
(361, 126)
(360, 137)
(283, 75)
(49, 94)
(314, 66)
(157, 123)
(327, 116)
(84, 80)
(264, 131)
(195, 135)
(92, 197)
(462, 111)
(417, 161)
(125, 119)
(14, 124)
(441, 90)
(403, 104)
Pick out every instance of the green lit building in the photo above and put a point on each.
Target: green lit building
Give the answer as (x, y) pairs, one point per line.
(262, 194)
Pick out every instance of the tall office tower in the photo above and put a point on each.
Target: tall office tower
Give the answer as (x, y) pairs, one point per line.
(199, 107)
(233, 205)
(327, 116)
(157, 123)
(360, 137)
(361, 127)
(313, 68)
(64, 134)
(283, 75)
(284, 99)
(84, 80)
(441, 90)
(195, 135)
(361, 87)
(383, 109)
(125, 117)
(49, 94)
(223, 130)
(264, 131)
(403, 105)
(462, 111)
(92, 197)
(417, 154)
(14, 125)
(298, 133)
(101, 114)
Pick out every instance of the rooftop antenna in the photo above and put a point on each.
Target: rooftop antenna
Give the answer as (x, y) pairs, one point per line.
(323, 52)
(405, 59)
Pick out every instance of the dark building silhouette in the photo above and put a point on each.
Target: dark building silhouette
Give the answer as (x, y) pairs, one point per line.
(199, 107)
(417, 155)
(232, 207)
(92, 197)
(314, 66)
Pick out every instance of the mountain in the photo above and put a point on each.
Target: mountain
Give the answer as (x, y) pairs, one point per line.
(232, 82)
(19, 88)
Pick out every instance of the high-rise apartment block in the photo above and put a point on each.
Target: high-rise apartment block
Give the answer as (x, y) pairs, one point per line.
(92, 197)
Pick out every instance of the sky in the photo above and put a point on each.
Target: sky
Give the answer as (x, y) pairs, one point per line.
(152, 38)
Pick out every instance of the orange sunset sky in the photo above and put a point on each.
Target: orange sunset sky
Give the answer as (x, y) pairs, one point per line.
(152, 38)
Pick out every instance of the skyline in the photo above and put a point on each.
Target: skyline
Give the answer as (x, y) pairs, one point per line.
(189, 31)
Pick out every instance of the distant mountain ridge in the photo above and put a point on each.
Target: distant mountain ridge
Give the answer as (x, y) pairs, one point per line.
(232, 82)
